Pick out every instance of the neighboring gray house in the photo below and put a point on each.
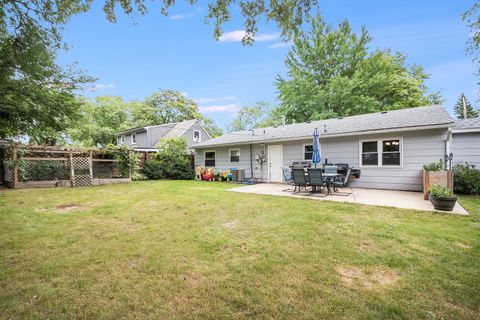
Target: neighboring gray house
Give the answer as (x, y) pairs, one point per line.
(148, 138)
(390, 147)
(466, 142)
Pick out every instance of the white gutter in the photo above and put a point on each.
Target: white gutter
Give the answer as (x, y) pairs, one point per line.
(466, 130)
(325, 135)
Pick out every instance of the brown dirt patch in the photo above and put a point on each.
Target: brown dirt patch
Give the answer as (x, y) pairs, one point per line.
(462, 245)
(106, 226)
(67, 207)
(376, 278)
(231, 224)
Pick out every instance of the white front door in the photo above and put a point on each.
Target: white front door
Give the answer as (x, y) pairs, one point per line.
(275, 163)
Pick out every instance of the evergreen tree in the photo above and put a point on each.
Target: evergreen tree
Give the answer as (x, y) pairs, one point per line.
(458, 108)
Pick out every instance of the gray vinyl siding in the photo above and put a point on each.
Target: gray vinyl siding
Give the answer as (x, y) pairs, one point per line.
(222, 158)
(466, 148)
(419, 147)
(141, 140)
(189, 135)
(155, 133)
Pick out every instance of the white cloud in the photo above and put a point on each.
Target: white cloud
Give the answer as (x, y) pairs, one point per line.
(181, 16)
(282, 44)
(210, 100)
(101, 87)
(226, 108)
(238, 35)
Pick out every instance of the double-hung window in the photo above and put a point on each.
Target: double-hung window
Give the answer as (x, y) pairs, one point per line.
(209, 158)
(391, 152)
(134, 138)
(234, 155)
(307, 152)
(196, 136)
(370, 153)
(381, 152)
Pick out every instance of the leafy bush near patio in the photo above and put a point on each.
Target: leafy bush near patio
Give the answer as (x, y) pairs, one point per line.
(466, 179)
(433, 166)
(171, 162)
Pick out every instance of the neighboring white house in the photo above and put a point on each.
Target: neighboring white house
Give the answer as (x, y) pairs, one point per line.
(148, 138)
(390, 147)
(466, 141)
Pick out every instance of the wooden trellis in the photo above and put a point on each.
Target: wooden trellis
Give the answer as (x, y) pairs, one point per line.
(42, 166)
(81, 175)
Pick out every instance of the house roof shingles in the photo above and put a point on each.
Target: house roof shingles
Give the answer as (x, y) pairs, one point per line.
(467, 124)
(398, 119)
(177, 128)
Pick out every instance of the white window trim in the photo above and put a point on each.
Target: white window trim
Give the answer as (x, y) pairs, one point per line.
(380, 153)
(199, 136)
(205, 158)
(303, 151)
(122, 138)
(230, 155)
(134, 141)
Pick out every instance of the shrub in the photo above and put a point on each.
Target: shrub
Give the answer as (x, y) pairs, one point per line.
(171, 162)
(441, 191)
(466, 179)
(153, 169)
(433, 166)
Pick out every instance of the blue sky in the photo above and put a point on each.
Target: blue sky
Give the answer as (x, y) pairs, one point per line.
(140, 54)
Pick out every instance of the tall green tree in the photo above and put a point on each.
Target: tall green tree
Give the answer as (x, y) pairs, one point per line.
(165, 106)
(100, 120)
(458, 108)
(212, 128)
(36, 95)
(331, 73)
(472, 18)
(248, 117)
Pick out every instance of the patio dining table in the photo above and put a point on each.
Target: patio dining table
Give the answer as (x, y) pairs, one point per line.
(330, 177)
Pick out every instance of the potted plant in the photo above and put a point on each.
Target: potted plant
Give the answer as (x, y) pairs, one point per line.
(434, 173)
(442, 197)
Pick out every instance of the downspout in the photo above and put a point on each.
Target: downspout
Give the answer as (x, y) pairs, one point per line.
(448, 147)
(251, 162)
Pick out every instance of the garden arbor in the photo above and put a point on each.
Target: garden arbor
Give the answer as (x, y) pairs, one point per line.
(46, 166)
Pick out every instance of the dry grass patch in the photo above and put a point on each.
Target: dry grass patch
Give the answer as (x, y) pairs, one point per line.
(231, 224)
(67, 207)
(462, 245)
(376, 278)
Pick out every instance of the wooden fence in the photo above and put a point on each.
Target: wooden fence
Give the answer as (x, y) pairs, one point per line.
(28, 166)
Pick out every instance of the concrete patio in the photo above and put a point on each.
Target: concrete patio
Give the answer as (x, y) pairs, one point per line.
(374, 197)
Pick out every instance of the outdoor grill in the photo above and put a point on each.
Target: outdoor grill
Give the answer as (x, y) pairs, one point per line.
(301, 164)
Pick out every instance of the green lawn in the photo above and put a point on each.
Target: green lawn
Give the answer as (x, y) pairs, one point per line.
(171, 249)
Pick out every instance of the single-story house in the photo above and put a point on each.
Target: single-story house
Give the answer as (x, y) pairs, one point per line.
(148, 138)
(388, 147)
(466, 142)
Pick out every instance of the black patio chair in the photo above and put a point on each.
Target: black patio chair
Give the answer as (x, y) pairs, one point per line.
(299, 179)
(287, 177)
(342, 182)
(315, 179)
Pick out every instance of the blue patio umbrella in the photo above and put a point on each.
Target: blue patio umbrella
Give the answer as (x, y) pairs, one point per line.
(316, 148)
